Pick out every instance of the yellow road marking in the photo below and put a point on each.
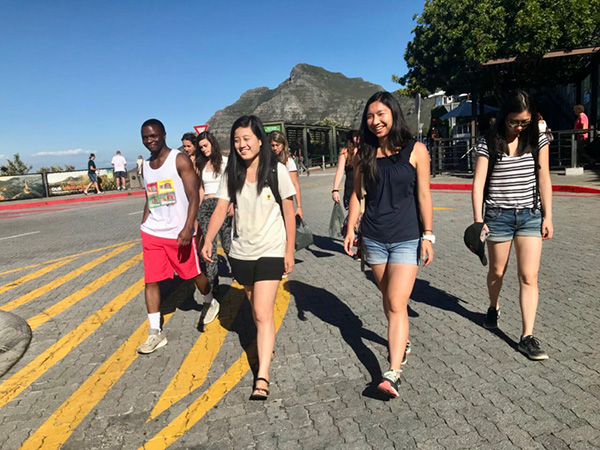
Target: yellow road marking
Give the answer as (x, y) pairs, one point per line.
(16, 384)
(33, 275)
(440, 208)
(192, 414)
(20, 301)
(68, 257)
(55, 431)
(75, 297)
(194, 369)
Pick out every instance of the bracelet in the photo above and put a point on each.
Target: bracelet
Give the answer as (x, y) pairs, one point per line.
(431, 231)
(335, 190)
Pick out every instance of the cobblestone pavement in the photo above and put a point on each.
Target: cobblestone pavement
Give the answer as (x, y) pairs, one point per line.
(81, 385)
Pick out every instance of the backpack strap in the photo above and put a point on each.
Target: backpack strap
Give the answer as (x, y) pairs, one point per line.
(273, 183)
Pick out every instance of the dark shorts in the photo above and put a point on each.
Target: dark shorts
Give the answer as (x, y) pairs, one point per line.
(248, 272)
(505, 224)
(120, 174)
(93, 177)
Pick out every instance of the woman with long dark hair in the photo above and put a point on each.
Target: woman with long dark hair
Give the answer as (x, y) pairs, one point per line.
(396, 226)
(210, 165)
(262, 247)
(512, 181)
(281, 148)
(345, 166)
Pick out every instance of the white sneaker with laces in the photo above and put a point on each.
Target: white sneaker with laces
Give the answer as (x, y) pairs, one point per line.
(155, 340)
(209, 311)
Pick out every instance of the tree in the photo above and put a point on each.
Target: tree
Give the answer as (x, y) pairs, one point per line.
(453, 38)
(67, 168)
(15, 167)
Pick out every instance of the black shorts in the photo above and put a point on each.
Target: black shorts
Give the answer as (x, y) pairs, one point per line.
(248, 272)
(120, 174)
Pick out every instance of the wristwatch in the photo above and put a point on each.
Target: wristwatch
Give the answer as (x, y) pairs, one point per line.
(429, 237)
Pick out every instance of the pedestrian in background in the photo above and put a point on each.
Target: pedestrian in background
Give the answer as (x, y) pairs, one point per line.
(279, 144)
(262, 248)
(345, 166)
(581, 123)
(512, 181)
(92, 175)
(119, 163)
(396, 227)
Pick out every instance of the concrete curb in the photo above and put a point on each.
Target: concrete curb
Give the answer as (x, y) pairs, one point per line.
(434, 186)
(60, 201)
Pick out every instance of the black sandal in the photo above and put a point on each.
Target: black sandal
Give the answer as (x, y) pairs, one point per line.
(263, 394)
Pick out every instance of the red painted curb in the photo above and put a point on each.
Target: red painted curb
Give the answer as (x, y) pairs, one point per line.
(51, 202)
(556, 188)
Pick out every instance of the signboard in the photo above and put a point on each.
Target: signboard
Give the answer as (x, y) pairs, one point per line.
(65, 183)
(270, 128)
(20, 187)
(201, 128)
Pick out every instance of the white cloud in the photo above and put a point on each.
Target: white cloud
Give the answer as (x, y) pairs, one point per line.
(77, 151)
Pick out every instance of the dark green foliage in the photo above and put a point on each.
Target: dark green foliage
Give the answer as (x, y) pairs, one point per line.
(453, 38)
(15, 166)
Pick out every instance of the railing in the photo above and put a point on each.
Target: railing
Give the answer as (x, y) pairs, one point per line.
(457, 155)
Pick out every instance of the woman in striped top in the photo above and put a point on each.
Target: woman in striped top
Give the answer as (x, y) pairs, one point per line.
(512, 180)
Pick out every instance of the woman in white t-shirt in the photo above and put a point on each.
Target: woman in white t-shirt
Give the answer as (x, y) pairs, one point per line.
(512, 182)
(281, 148)
(262, 247)
(210, 165)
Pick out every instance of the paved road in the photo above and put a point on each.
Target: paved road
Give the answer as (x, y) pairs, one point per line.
(75, 275)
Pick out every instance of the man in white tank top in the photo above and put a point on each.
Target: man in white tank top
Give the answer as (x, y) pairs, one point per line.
(167, 227)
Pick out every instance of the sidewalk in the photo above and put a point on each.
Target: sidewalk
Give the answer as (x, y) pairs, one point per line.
(588, 183)
(51, 201)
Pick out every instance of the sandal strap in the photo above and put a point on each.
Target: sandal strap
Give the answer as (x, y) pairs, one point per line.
(262, 379)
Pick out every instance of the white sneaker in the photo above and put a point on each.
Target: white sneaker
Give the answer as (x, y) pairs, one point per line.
(209, 311)
(154, 341)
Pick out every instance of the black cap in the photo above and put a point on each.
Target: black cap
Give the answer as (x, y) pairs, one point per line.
(475, 240)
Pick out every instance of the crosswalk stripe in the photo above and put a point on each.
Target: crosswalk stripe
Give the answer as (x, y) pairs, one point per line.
(17, 383)
(20, 301)
(76, 255)
(194, 369)
(75, 297)
(55, 431)
(33, 275)
(208, 399)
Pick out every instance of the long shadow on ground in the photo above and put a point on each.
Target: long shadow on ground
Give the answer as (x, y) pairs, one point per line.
(330, 309)
(424, 292)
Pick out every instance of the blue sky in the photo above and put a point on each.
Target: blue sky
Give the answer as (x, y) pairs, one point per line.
(81, 76)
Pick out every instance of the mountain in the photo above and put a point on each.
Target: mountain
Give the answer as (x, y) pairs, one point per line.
(311, 94)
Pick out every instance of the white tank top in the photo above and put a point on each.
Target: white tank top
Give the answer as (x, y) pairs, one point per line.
(167, 200)
(210, 182)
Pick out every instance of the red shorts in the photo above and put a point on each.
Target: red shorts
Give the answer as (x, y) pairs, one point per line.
(163, 256)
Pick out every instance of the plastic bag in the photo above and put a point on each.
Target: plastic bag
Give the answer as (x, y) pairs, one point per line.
(304, 236)
(336, 221)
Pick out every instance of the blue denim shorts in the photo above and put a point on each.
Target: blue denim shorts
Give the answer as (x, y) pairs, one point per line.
(505, 224)
(407, 252)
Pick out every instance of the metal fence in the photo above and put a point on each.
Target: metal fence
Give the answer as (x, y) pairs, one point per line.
(457, 155)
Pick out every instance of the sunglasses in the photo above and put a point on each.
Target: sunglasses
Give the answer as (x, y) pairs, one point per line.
(518, 123)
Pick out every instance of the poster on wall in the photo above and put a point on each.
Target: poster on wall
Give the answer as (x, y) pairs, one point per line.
(65, 183)
(20, 187)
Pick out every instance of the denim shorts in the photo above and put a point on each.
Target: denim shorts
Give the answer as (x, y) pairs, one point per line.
(407, 252)
(505, 224)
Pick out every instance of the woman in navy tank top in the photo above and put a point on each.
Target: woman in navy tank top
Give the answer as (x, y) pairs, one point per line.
(396, 227)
